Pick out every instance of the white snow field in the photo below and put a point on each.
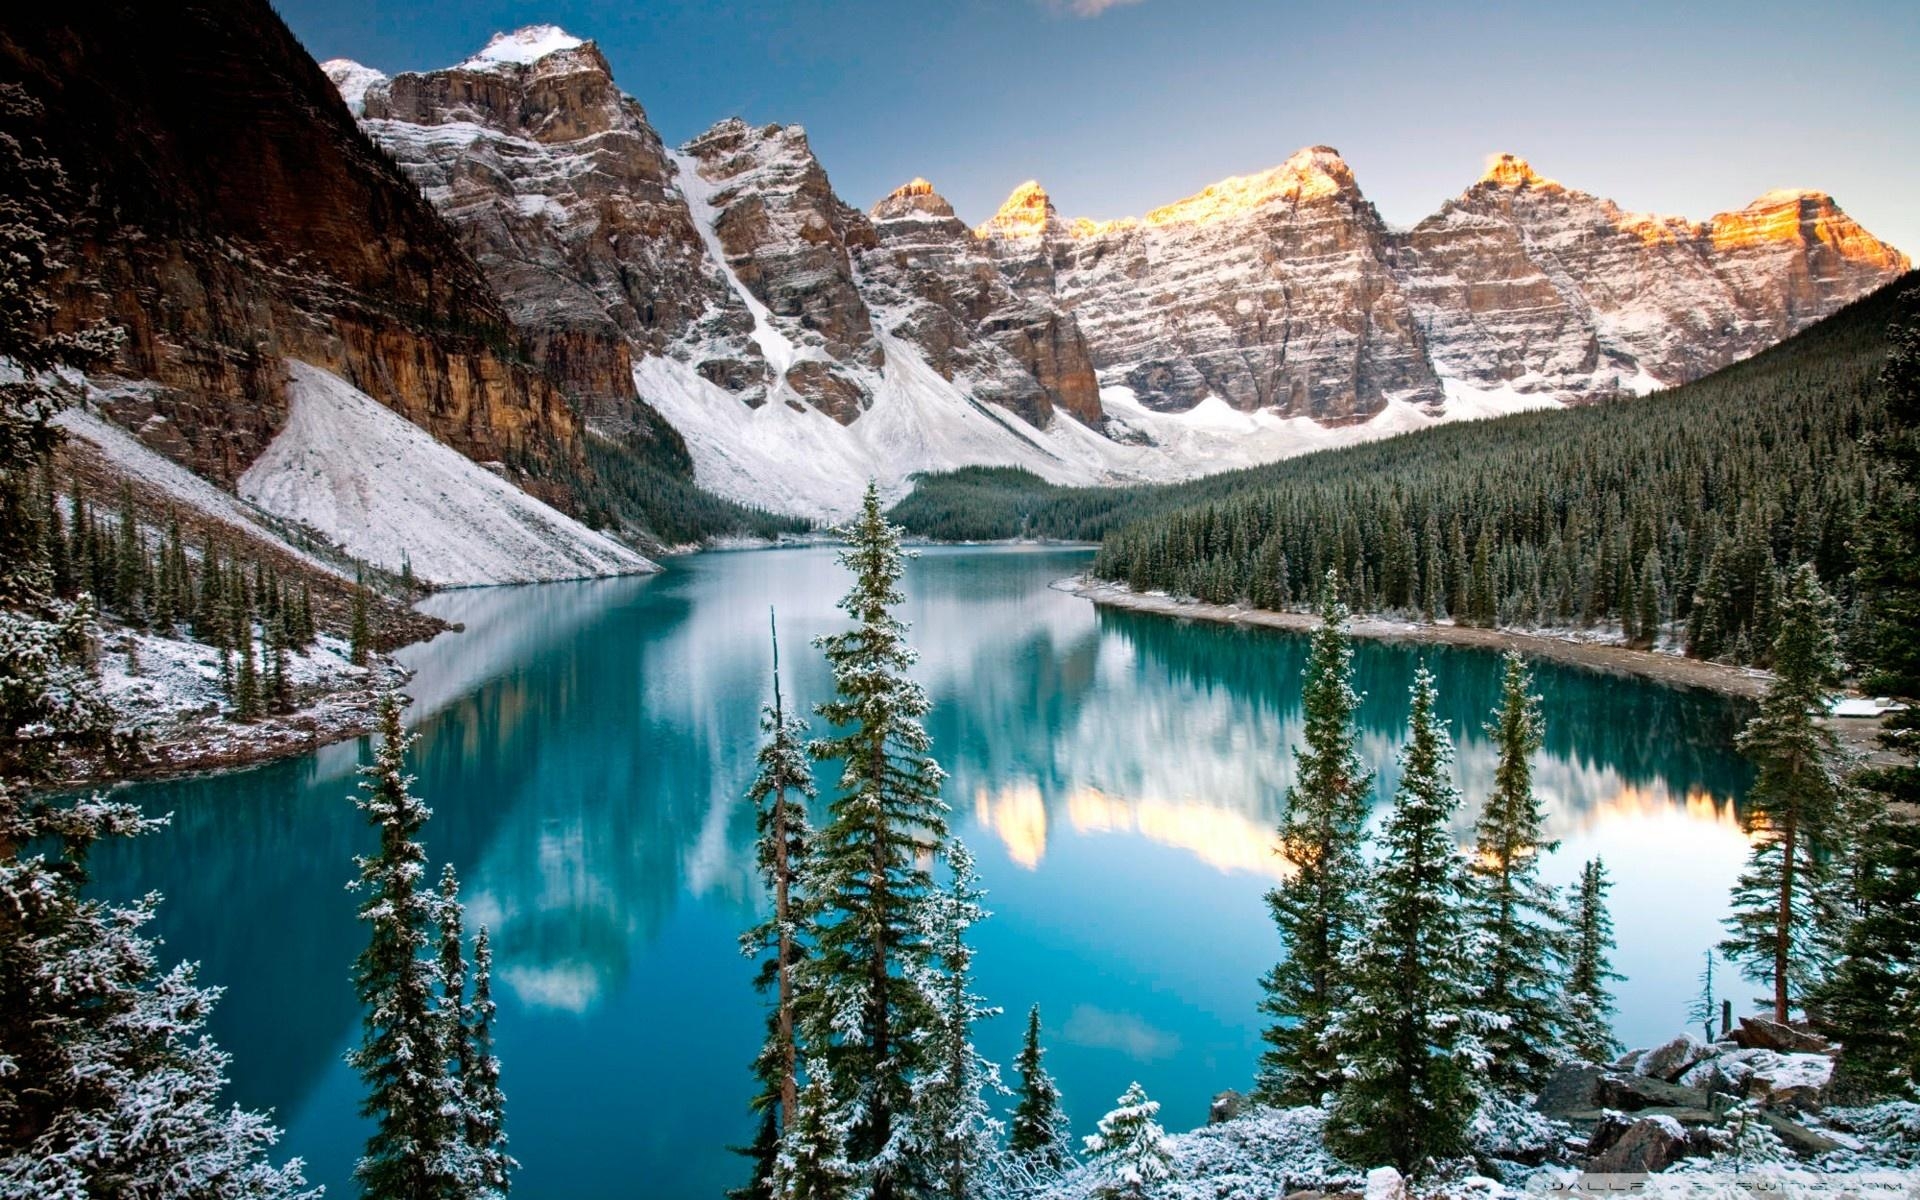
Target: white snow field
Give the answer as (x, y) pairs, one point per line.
(386, 492)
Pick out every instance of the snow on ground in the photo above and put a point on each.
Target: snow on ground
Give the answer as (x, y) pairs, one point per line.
(387, 492)
(130, 456)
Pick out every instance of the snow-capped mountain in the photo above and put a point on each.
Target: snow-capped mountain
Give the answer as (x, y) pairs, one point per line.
(801, 346)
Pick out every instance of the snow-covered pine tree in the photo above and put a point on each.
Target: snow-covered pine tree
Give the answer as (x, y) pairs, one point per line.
(779, 794)
(1039, 1136)
(1131, 1150)
(813, 1162)
(1519, 923)
(1798, 793)
(1316, 909)
(454, 1018)
(1408, 1035)
(485, 1106)
(360, 630)
(956, 1132)
(110, 1085)
(1588, 1000)
(865, 1022)
(402, 1054)
(1705, 1009)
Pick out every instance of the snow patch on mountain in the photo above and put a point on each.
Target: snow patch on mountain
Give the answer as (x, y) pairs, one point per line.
(523, 47)
(352, 80)
(387, 492)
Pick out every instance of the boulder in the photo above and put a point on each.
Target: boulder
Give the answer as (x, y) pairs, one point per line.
(1648, 1143)
(1225, 1107)
(1805, 1142)
(1670, 1061)
(1385, 1183)
(1720, 1076)
(1571, 1091)
(1631, 1093)
(1791, 1081)
(1758, 1033)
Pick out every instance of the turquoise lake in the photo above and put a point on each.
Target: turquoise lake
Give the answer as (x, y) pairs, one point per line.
(584, 747)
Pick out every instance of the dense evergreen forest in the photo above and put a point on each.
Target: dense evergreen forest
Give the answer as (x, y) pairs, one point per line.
(1671, 516)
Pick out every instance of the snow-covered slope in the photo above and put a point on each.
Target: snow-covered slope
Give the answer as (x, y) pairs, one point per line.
(387, 492)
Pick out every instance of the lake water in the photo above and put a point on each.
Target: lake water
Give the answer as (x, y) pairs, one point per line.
(584, 747)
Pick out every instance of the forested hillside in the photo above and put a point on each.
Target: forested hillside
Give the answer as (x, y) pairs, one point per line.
(1671, 513)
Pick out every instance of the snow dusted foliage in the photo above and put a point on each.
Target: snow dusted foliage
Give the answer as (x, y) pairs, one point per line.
(416, 1148)
(1316, 909)
(1041, 1137)
(486, 1106)
(1131, 1152)
(1263, 1153)
(957, 1133)
(50, 693)
(1588, 1002)
(866, 1024)
(108, 1082)
(1409, 1036)
(1508, 1130)
(779, 795)
(1889, 1134)
(1518, 922)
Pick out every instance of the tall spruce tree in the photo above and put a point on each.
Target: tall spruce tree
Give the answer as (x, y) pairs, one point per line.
(1039, 1137)
(485, 1107)
(1872, 1003)
(957, 1135)
(1518, 920)
(1316, 908)
(1407, 1034)
(1589, 996)
(779, 794)
(1793, 807)
(1705, 1009)
(866, 1023)
(402, 1056)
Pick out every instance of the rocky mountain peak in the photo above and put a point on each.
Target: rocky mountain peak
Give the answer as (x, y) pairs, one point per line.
(915, 198)
(1309, 174)
(523, 47)
(1028, 212)
(1510, 170)
(351, 80)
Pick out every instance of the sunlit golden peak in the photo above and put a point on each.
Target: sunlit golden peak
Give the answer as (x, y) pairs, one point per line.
(1309, 173)
(1028, 212)
(912, 187)
(1510, 170)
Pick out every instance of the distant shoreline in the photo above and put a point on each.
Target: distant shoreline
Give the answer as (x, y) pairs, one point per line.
(1747, 683)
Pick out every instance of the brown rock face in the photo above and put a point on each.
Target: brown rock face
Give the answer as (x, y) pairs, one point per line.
(1269, 291)
(236, 216)
(967, 320)
(791, 242)
(566, 197)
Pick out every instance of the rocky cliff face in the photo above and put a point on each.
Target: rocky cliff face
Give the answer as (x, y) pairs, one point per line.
(1285, 291)
(1271, 291)
(234, 216)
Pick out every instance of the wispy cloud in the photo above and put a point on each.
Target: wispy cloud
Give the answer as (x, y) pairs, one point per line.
(1100, 1029)
(1084, 8)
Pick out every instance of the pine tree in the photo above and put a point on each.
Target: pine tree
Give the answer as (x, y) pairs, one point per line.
(866, 1023)
(779, 794)
(1407, 1035)
(813, 1163)
(1705, 1009)
(401, 1056)
(1793, 806)
(1517, 919)
(459, 1167)
(1589, 999)
(1315, 909)
(112, 1086)
(956, 1133)
(485, 1107)
(246, 687)
(1039, 1137)
(1131, 1150)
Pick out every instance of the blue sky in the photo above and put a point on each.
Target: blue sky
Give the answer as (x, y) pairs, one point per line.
(1120, 105)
